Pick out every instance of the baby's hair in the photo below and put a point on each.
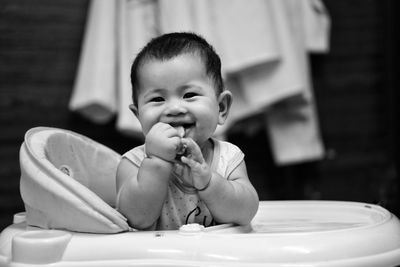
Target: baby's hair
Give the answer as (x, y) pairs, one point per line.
(170, 45)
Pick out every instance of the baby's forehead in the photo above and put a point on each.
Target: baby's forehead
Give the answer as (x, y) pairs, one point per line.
(154, 68)
(165, 58)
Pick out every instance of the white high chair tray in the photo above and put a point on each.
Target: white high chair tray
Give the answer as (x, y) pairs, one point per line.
(283, 233)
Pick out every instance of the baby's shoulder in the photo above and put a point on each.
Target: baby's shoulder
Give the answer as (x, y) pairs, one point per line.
(227, 157)
(225, 147)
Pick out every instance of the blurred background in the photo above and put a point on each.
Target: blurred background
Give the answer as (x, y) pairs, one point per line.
(355, 90)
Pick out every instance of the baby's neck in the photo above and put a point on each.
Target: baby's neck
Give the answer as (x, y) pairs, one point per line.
(207, 150)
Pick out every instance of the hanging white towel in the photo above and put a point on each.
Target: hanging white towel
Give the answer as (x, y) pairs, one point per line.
(94, 94)
(293, 124)
(282, 88)
(316, 25)
(136, 26)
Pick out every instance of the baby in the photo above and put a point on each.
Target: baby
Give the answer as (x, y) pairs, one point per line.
(182, 174)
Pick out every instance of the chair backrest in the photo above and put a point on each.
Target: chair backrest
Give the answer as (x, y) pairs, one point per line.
(68, 182)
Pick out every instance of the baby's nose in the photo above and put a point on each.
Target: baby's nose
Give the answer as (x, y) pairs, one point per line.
(175, 107)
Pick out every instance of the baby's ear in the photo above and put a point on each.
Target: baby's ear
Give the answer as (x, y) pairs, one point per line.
(134, 109)
(224, 103)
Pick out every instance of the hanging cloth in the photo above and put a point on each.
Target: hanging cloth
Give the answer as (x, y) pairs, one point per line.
(94, 94)
(136, 26)
(293, 126)
(263, 45)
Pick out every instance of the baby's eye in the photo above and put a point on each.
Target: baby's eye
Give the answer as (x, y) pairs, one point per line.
(157, 99)
(190, 95)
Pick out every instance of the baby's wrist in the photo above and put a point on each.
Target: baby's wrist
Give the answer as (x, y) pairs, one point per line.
(150, 153)
(159, 161)
(205, 186)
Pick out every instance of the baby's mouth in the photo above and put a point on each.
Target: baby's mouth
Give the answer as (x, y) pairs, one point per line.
(183, 128)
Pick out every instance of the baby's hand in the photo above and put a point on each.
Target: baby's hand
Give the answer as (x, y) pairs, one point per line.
(199, 169)
(163, 141)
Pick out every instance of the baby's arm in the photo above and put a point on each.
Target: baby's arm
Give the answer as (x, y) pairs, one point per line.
(142, 191)
(232, 200)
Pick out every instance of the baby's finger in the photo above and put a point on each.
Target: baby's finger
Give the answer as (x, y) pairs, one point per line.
(190, 162)
(192, 149)
(172, 131)
(181, 149)
(176, 141)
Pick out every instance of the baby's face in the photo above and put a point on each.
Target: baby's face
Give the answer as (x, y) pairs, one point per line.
(178, 92)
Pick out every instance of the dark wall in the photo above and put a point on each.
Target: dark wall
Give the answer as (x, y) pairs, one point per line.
(39, 49)
(354, 88)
